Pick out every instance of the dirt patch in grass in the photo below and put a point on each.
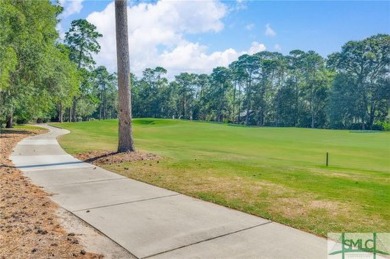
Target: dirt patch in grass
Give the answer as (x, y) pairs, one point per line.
(110, 157)
(296, 207)
(29, 227)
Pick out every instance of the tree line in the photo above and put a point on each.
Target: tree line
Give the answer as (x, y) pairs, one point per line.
(43, 78)
(349, 89)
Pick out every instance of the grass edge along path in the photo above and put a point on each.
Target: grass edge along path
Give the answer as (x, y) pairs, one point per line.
(275, 173)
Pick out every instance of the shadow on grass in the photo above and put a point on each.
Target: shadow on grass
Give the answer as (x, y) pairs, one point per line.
(4, 133)
(93, 159)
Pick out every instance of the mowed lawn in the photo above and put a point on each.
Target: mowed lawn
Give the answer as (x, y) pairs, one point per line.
(276, 173)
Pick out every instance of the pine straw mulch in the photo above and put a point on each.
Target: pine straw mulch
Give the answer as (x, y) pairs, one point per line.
(29, 226)
(110, 157)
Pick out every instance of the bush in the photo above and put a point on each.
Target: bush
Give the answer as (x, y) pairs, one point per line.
(377, 126)
(383, 125)
(386, 126)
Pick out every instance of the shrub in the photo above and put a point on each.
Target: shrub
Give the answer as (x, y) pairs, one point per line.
(383, 125)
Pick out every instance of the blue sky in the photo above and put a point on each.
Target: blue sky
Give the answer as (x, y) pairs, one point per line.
(196, 36)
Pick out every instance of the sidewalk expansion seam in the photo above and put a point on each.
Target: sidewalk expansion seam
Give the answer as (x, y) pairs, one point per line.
(127, 202)
(208, 239)
(85, 182)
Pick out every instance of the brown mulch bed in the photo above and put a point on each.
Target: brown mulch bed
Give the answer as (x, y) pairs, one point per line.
(29, 226)
(110, 157)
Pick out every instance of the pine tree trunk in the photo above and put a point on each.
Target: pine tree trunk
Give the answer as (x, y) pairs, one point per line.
(312, 120)
(125, 143)
(312, 106)
(74, 105)
(247, 109)
(239, 106)
(61, 113)
(100, 112)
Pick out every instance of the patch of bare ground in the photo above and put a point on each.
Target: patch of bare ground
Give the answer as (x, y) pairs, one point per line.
(301, 207)
(110, 157)
(29, 225)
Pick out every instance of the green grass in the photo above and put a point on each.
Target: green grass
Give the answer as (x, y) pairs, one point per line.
(277, 173)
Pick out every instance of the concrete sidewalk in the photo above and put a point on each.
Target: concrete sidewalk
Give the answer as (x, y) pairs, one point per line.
(152, 222)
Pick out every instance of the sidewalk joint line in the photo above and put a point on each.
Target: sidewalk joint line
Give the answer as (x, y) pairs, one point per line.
(208, 239)
(91, 181)
(127, 202)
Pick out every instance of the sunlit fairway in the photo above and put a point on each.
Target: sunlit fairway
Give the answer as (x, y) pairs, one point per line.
(276, 173)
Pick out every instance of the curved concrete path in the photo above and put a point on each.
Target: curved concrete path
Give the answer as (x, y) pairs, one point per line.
(152, 222)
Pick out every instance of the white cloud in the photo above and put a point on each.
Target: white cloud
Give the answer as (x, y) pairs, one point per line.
(60, 30)
(240, 5)
(277, 47)
(250, 26)
(194, 58)
(157, 36)
(70, 7)
(269, 31)
(256, 47)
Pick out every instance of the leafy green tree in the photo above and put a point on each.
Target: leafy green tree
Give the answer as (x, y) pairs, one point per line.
(314, 90)
(151, 84)
(249, 68)
(296, 78)
(342, 108)
(168, 100)
(105, 84)
(308, 83)
(270, 77)
(185, 85)
(82, 41)
(366, 64)
(29, 38)
(7, 51)
(313, 66)
(62, 79)
(284, 104)
(219, 91)
(203, 82)
(238, 81)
